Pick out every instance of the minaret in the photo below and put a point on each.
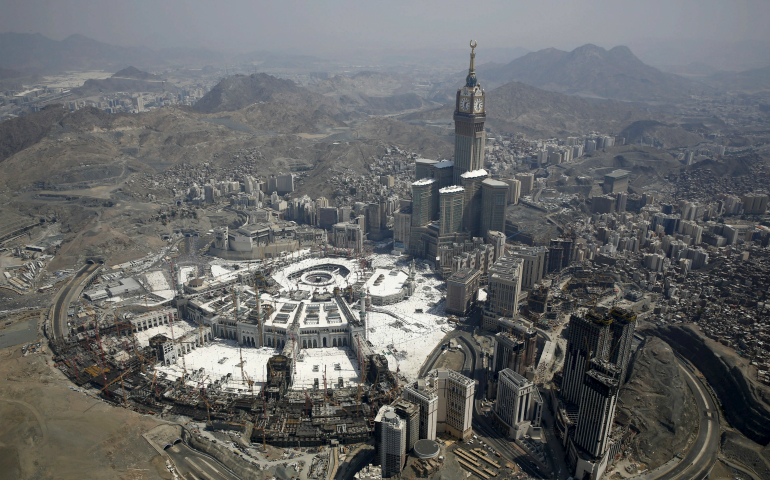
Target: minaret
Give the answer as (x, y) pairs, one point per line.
(362, 314)
(469, 117)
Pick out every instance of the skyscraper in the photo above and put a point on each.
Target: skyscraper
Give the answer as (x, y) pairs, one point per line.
(519, 404)
(423, 202)
(391, 441)
(469, 118)
(451, 201)
(494, 198)
(622, 328)
(597, 408)
(588, 337)
(471, 182)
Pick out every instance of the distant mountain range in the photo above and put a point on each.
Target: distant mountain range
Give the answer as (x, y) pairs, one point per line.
(35, 53)
(593, 72)
(517, 107)
(129, 79)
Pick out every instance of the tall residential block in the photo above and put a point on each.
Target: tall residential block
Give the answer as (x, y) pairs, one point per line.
(527, 182)
(503, 287)
(424, 202)
(391, 441)
(595, 417)
(494, 198)
(518, 405)
(451, 201)
(588, 336)
(471, 182)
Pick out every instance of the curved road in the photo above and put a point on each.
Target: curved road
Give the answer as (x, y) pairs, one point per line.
(64, 298)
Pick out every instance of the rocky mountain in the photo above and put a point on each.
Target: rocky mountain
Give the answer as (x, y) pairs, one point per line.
(670, 136)
(516, 107)
(19, 133)
(658, 403)
(372, 93)
(133, 72)
(239, 91)
(592, 71)
(129, 79)
(35, 53)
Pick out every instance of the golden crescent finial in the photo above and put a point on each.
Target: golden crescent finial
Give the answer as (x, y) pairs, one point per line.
(473, 44)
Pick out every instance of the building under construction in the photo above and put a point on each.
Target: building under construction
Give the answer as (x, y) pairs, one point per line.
(107, 356)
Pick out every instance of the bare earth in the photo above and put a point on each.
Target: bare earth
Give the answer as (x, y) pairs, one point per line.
(49, 431)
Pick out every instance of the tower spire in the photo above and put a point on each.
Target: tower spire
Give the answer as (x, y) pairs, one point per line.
(470, 80)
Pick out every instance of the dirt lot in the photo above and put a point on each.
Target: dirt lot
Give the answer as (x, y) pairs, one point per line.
(49, 431)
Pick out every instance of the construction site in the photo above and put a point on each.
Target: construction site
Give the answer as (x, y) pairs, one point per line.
(283, 353)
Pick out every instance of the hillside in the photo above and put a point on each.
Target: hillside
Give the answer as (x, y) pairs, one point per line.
(658, 404)
(239, 91)
(516, 107)
(22, 132)
(133, 72)
(114, 84)
(592, 71)
(371, 93)
(670, 136)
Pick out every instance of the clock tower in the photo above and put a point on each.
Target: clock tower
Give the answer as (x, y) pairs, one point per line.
(469, 118)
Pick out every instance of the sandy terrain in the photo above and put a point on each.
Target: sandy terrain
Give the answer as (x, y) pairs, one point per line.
(51, 431)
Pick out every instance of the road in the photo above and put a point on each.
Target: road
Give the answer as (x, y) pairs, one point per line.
(194, 465)
(64, 298)
(482, 427)
(703, 453)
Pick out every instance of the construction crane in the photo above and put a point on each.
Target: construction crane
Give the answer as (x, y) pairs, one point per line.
(118, 378)
(208, 407)
(173, 342)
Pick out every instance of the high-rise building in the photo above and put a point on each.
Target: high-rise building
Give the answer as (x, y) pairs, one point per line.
(516, 347)
(527, 182)
(423, 394)
(616, 181)
(518, 405)
(443, 172)
(596, 413)
(622, 328)
(514, 190)
(588, 336)
(462, 289)
(451, 200)
(445, 398)
(423, 168)
(469, 117)
(411, 415)
(391, 441)
(494, 198)
(504, 287)
(455, 407)
(424, 202)
(534, 266)
(471, 183)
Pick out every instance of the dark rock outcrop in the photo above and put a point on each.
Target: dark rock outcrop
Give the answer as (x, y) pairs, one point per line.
(658, 404)
(746, 402)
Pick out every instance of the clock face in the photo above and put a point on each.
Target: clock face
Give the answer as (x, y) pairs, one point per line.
(465, 104)
(478, 105)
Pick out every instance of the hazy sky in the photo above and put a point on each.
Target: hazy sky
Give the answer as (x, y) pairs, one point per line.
(323, 27)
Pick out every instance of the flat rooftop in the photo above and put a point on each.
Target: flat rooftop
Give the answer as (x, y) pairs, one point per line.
(475, 173)
(386, 282)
